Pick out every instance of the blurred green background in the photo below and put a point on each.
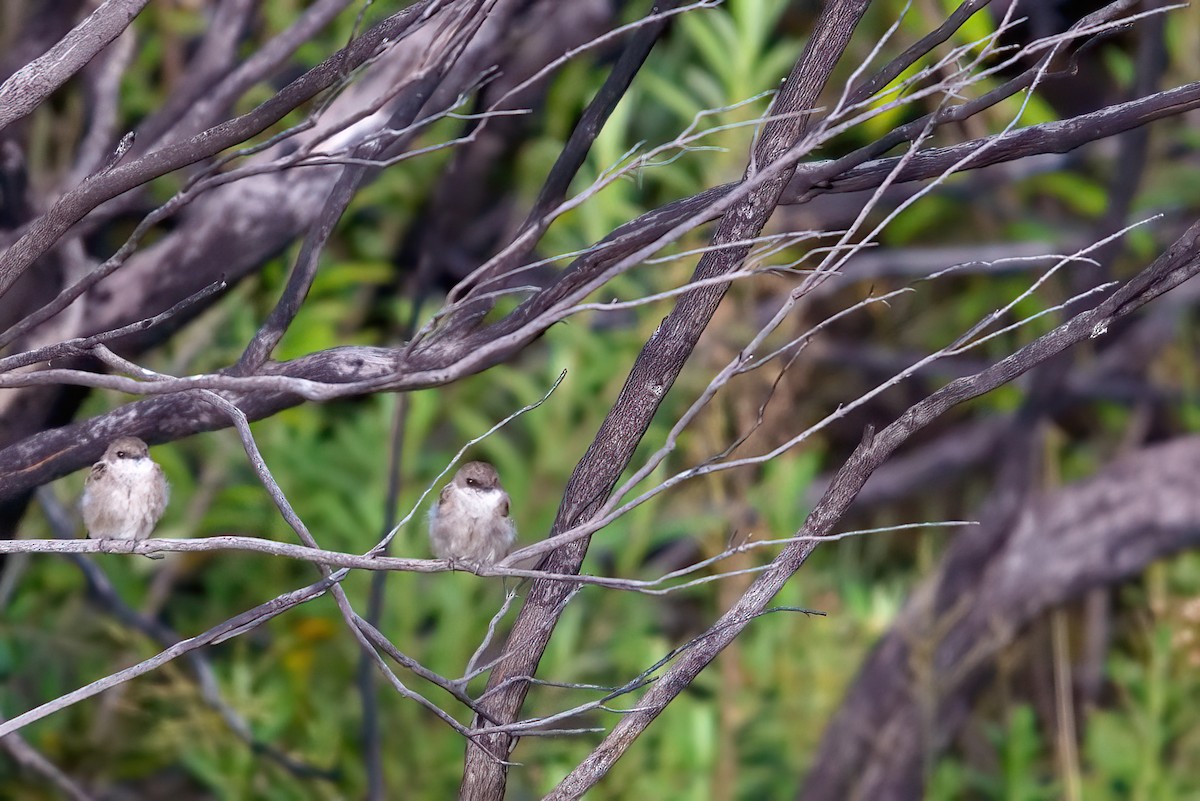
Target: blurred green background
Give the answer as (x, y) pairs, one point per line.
(749, 725)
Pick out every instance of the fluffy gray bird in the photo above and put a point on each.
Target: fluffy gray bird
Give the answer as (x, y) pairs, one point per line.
(125, 494)
(470, 522)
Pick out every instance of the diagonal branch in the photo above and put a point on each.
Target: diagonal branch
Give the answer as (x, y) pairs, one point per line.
(356, 370)
(572, 156)
(71, 207)
(26, 88)
(652, 375)
(234, 626)
(343, 191)
(1062, 546)
(29, 757)
(1178, 264)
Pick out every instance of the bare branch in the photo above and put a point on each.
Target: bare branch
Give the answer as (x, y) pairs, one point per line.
(239, 624)
(26, 755)
(29, 86)
(71, 208)
(1177, 265)
(649, 380)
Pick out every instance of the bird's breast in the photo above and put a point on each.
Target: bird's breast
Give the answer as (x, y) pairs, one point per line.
(476, 503)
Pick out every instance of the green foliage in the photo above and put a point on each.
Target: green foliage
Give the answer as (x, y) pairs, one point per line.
(1018, 749)
(753, 719)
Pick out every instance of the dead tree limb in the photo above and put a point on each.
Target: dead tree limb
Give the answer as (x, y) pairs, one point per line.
(1178, 264)
(1089, 535)
(656, 368)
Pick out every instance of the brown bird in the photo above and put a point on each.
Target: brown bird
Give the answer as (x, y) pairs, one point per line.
(470, 522)
(125, 494)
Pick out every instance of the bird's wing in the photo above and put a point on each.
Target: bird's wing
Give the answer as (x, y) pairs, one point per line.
(96, 473)
(445, 494)
(502, 507)
(160, 503)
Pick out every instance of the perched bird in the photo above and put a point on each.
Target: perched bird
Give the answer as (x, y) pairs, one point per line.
(125, 494)
(470, 522)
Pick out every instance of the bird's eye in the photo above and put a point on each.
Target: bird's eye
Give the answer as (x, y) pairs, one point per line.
(120, 454)
(471, 482)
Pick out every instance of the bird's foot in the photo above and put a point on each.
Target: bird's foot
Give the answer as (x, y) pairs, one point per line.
(465, 565)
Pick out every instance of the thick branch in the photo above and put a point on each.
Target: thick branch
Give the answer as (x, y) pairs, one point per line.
(1092, 534)
(71, 207)
(1179, 263)
(26, 88)
(53, 454)
(652, 375)
(1050, 137)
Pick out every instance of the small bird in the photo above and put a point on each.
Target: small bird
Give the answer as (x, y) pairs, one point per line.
(125, 494)
(470, 522)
